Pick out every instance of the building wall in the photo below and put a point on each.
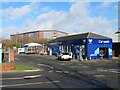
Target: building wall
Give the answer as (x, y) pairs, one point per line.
(87, 48)
(37, 36)
(115, 37)
(94, 45)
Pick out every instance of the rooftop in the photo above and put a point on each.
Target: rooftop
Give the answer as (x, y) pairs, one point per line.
(40, 31)
(80, 36)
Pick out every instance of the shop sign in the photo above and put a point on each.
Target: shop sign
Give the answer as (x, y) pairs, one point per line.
(99, 41)
(103, 41)
(55, 43)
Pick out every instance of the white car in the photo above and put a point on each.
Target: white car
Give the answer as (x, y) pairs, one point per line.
(65, 56)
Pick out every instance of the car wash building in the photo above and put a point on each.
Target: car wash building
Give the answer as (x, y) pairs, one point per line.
(86, 46)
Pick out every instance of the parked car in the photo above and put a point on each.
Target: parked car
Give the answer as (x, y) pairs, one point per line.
(65, 56)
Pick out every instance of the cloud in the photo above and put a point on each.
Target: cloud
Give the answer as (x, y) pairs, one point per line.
(15, 13)
(6, 32)
(79, 8)
(45, 9)
(77, 20)
(46, 20)
(106, 4)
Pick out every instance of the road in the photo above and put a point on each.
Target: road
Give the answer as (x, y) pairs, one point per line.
(62, 74)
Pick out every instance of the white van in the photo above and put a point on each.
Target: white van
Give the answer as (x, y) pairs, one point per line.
(21, 50)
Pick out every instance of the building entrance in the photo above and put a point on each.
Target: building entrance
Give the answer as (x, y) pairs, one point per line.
(104, 52)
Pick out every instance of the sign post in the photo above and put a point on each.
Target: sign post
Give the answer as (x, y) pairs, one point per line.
(0, 52)
(11, 55)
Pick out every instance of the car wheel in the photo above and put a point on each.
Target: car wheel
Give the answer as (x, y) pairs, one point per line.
(69, 59)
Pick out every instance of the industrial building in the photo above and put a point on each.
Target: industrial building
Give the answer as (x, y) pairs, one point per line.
(116, 43)
(83, 46)
(40, 36)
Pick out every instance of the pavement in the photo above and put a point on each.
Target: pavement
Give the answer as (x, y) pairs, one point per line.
(63, 74)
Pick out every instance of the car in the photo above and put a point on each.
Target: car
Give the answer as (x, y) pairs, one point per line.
(65, 56)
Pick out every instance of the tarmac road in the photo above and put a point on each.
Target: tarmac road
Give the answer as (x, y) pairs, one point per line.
(62, 74)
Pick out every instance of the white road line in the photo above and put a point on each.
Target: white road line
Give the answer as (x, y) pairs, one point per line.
(99, 76)
(16, 59)
(11, 78)
(62, 72)
(46, 65)
(35, 76)
(25, 84)
(50, 71)
(24, 77)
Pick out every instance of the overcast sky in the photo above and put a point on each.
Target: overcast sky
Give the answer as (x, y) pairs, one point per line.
(70, 17)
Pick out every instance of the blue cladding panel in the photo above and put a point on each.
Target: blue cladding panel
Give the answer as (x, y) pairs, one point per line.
(94, 45)
(54, 48)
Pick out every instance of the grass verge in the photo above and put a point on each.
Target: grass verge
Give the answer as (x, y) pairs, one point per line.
(22, 67)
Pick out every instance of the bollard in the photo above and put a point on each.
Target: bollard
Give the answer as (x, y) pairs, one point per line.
(11, 56)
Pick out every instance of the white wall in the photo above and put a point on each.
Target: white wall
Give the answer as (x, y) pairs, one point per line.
(115, 37)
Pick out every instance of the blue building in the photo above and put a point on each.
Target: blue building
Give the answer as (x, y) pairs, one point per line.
(86, 45)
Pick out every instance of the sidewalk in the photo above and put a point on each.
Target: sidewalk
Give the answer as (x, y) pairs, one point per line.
(116, 58)
(9, 67)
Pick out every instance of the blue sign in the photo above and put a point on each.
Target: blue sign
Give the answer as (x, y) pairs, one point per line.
(99, 41)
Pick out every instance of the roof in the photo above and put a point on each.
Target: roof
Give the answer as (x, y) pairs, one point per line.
(117, 32)
(32, 44)
(39, 31)
(80, 36)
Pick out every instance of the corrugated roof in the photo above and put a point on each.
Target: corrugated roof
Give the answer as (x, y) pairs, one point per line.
(80, 36)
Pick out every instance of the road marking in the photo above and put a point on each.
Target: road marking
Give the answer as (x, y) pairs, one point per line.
(45, 65)
(62, 72)
(109, 70)
(58, 71)
(16, 59)
(99, 76)
(11, 78)
(30, 77)
(50, 71)
(84, 66)
(65, 71)
(102, 70)
(114, 71)
(31, 62)
(72, 67)
(62, 63)
(25, 84)
(24, 77)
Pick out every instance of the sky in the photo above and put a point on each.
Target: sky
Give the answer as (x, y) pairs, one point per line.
(70, 17)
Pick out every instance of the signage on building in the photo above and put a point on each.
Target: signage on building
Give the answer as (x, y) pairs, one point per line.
(90, 41)
(99, 41)
(103, 41)
(55, 43)
(84, 40)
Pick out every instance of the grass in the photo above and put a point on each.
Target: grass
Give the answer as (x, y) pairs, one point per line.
(22, 67)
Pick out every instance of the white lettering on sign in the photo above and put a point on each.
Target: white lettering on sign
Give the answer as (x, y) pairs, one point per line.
(101, 41)
(56, 43)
